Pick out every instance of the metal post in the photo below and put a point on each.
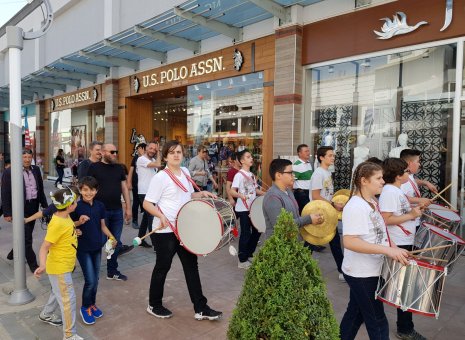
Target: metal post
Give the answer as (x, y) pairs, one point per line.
(21, 294)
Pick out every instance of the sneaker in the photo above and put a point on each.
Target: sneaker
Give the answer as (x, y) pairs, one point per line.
(96, 312)
(318, 249)
(145, 244)
(244, 265)
(87, 317)
(117, 276)
(413, 335)
(159, 312)
(74, 337)
(341, 277)
(135, 225)
(208, 314)
(51, 319)
(125, 249)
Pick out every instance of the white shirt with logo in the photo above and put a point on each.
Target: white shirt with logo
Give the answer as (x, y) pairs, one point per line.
(322, 180)
(144, 174)
(411, 189)
(244, 182)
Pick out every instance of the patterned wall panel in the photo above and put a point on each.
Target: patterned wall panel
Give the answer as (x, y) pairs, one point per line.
(334, 126)
(425, 123)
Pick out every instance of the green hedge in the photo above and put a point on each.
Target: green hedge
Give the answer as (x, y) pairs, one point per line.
(284, 295)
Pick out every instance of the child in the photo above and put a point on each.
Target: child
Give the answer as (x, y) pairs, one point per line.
(58, 256)
(400, 219)
(245, 188)
(90, 214)
(321, 185)
(170, 189)
(365, 243)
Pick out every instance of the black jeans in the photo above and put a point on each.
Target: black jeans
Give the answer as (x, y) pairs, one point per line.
(60, 172)
(166, 245)
(364, 308)
(147, 220)
(336, 250)
(249, 236)
(136, 204)
(30, 208)
(404, 319)
(302, 197)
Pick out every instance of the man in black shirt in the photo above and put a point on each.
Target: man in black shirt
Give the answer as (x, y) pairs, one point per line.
(132, 185)
(95, 150)
(112, 183)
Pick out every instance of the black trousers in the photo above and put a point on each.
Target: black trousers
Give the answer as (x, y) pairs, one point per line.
(30, 208)
(136, 204)
(302, 198)
(166, 246)
(147, 220)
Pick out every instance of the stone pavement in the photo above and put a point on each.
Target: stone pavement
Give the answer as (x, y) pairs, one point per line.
(124, 303)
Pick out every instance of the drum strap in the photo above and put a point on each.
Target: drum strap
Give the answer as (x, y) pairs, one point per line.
(415, 188)
(178, 182)
(172, 227)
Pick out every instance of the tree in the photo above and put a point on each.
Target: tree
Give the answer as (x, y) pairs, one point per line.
(284, 295)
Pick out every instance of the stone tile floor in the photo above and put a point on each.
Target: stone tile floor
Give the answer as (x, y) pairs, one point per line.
(124, 303)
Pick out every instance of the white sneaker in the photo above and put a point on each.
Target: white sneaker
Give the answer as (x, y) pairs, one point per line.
(51, 319)
(244, 265)
(341, 277)
(74, 337)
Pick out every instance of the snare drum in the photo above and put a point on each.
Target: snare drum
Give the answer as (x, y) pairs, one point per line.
(415, 288)
(256, 214)
(429, 236)
(204, 225)
(442, 217)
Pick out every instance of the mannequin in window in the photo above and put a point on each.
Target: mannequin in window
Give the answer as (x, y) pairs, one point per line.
(361, 151)
(402, 142)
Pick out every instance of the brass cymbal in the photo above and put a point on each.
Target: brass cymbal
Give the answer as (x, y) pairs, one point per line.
(345, 192)
(329, 214)
(342, 199)
(317, 241)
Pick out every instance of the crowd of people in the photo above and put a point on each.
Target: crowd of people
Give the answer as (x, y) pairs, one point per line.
(380, 219)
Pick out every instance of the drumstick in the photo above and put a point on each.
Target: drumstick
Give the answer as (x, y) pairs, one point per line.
(137, 240)
(436, 220)
(428, 258)
(429, 249)
(446, 201)
(439, 193)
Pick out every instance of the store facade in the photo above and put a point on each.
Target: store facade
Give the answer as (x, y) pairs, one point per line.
(222, 100)
(71, 121)
(375, 93)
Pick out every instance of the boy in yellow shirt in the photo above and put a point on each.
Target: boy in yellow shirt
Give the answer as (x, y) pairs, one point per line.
(58, 257)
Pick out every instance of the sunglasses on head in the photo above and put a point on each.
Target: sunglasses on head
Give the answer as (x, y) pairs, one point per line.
(29, 152)
(114, 152)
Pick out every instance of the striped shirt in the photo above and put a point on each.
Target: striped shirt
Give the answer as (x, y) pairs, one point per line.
(303, 172)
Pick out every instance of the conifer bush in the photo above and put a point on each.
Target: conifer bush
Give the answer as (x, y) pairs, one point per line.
(284, 295)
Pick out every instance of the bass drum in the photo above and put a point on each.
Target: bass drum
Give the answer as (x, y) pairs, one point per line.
(256, 214)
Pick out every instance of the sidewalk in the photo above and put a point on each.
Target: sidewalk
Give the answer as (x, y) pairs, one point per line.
(124, 303)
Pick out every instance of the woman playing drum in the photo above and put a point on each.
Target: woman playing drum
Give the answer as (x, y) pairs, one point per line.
(365, 243)
(169, 190)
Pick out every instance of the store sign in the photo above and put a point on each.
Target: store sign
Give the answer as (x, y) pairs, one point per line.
(194, 70)
(75, 98)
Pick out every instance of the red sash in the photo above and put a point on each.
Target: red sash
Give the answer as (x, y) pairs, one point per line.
(415, 188)
(178, 182)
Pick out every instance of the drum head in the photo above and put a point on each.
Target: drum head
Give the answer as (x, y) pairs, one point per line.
(444, 233)
(256, 214)
(199, 226)
(441, 211)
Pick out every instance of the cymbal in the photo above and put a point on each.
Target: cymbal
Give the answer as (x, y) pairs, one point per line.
(317, 241)
(329, 214)
(345, 192)
(342, 199)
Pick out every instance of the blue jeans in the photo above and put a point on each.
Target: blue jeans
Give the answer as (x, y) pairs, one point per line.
(114, 222)
(249, 236)
(364, 308)
(90, 264)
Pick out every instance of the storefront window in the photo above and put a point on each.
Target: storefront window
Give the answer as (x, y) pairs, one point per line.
(375, 107)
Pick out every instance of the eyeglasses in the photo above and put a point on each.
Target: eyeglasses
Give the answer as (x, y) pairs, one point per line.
(29, 152)
(114, 152)
(287, 172)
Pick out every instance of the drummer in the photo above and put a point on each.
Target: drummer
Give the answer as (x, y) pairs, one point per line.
(411, 187)
(400, 219)
(280, 196)
(365, 243)
(169, 190)
(245, 189)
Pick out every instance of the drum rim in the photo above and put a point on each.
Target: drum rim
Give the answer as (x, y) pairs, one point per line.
(445, 218)
(425, 264)
(416, 311)
(177, 229)
(458, 238)
(250, 213)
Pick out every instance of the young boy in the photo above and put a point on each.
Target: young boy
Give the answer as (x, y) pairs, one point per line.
(90, 218)
(322, 189)
(245, 189)
(399, 217)
(58, 256)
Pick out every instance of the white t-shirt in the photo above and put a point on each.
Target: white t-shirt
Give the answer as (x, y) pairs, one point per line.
(359, 219)
(168, 196)
(321, 179)
(144, 174)
(393, 200)
(411, 189)
(245, 183)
